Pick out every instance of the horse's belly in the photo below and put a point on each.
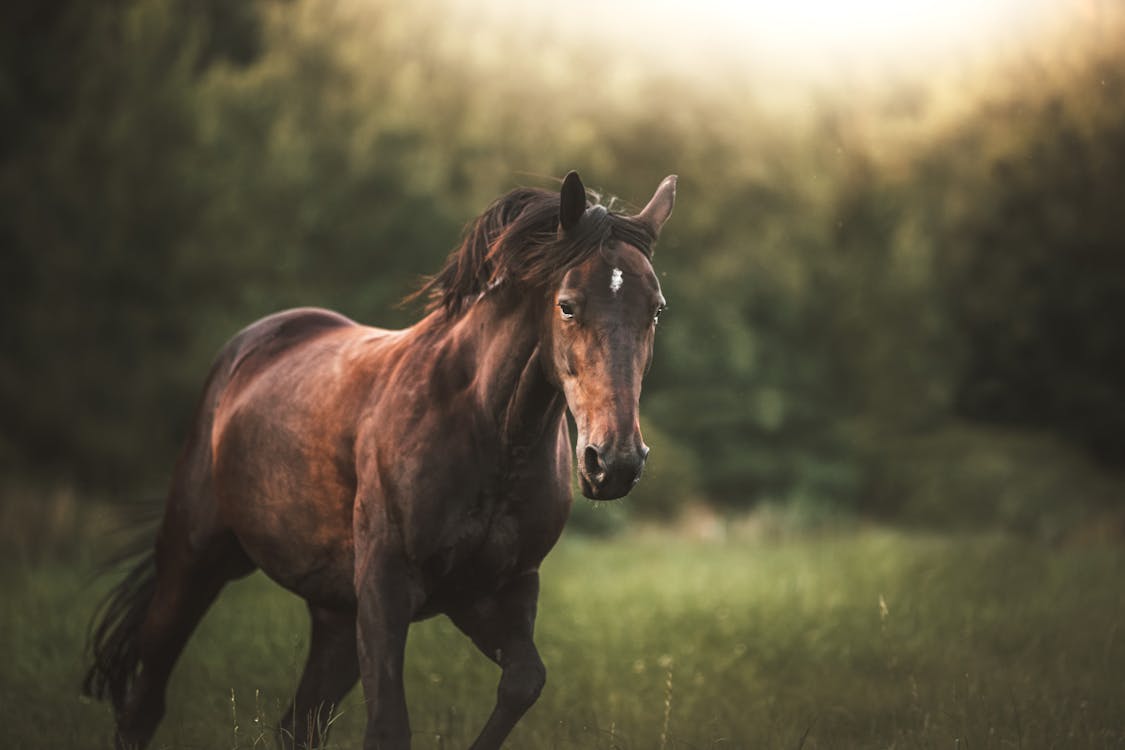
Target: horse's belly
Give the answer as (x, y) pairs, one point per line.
(312, 557)
(327, 582)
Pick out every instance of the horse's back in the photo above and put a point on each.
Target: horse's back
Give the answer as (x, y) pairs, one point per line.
(264, 341)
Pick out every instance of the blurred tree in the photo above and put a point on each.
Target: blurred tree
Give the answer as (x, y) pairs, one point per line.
(94, 194)
(172, 170)
(1034, 264)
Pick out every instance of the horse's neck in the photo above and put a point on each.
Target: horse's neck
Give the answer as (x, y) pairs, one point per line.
(502, 344)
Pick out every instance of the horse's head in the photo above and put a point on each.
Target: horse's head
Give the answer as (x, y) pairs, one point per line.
(602, 324)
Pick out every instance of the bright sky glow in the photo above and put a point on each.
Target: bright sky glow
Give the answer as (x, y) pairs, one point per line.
(797, 34)
(849, 25)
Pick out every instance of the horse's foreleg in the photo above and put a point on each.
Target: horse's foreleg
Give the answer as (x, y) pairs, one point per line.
(330, 672)
(502, 628)
(386, 607)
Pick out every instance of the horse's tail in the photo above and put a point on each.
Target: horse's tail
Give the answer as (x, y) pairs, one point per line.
(114, 631)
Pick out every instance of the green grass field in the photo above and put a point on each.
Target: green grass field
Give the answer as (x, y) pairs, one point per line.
(870, 639)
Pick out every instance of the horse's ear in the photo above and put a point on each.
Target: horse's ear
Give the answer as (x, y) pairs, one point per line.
(573, 203)
(660, 207)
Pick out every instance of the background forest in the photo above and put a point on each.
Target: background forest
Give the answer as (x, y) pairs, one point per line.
(901, 301)
(886, 498)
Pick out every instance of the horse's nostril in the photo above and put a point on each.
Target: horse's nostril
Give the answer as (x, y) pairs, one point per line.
(593, 464)
(640, 465)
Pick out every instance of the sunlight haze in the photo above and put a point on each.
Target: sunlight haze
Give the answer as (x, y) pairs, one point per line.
(805, 37)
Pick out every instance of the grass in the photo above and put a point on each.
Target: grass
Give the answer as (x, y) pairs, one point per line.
(870, 639)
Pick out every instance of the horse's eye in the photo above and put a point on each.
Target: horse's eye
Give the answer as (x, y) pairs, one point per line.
(656, 315)
(567, 310)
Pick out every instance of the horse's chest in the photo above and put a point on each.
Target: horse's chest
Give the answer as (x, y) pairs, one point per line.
(480, 546)
(482, 553)
(490, 534)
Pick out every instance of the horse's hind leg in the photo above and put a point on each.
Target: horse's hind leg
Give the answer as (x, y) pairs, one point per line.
(330, 672)
(190, 572)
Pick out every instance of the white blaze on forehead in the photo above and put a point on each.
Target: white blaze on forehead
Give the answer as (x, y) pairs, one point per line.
(616, 280)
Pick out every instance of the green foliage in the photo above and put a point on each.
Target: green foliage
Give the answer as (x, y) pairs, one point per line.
(1024, 482)
(1034, 273)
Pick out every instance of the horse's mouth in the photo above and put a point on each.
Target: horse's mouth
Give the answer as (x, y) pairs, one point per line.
(606, 491)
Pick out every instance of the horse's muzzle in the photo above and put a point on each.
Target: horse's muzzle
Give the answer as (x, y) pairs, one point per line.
(608, 475)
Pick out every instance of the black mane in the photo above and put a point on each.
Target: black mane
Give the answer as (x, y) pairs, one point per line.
(517, 240)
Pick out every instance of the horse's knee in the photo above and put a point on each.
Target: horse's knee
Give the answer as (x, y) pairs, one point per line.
(521, 683)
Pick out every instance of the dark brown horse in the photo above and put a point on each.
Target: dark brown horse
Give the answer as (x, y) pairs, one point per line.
(389, 476)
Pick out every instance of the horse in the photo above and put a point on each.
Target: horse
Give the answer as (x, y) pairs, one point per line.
(387, 476)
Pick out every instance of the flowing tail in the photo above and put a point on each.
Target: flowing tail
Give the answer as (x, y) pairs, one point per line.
(114, 631)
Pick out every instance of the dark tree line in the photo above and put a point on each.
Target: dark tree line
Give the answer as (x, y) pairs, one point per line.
(840, 318)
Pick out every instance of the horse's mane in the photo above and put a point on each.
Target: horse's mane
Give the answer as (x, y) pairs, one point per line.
(516, 240)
